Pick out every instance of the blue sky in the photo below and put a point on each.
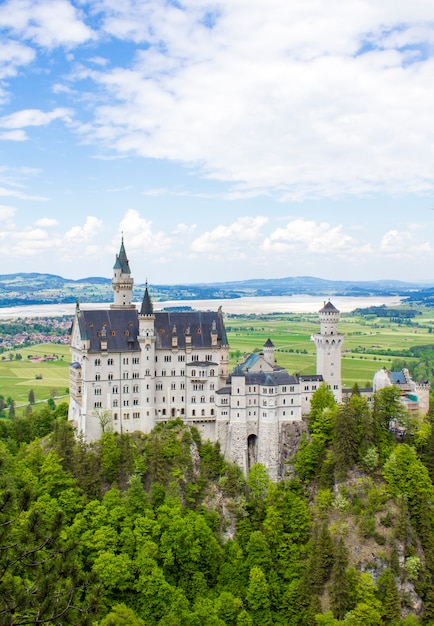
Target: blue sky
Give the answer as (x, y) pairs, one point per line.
(225, 139)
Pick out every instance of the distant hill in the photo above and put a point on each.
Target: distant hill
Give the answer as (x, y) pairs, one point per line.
(33, 288)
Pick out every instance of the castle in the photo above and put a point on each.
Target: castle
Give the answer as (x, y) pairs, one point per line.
(132, 369)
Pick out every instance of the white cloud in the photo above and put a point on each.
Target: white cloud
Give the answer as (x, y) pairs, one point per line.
(85, 233)
(13, 135)
(48, 23)
(403, 244)
(34, 117)
(19, 194)
(6, 212)
(245, 231)
(140, 236)
(289, 99)
(47, 222)
(309, 236)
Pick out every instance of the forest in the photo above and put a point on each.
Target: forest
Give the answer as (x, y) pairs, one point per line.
(159, 529)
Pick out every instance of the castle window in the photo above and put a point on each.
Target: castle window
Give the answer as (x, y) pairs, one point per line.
(97, 361)
(125, 360)
(115, 389)
(173, 386)
(160, 331)
(97, 376)
(283, 389)
(126, 402)
(125, 375)
(113, 333)
(126, 389)
(136, 360)
(193, 372)
(115, 416)
(284, 401)
(159, 386)
(110, 376)
(135, 374)
(135, 388)
(115, 403)
(127, 333)
(199, 331)
(109, 361)
(97, 405)
(193, 413)
(193, 400)
(195, 357)
(212, 386)
(211, 399)
(136, 401)
(182, 373)
(313, 387)
(136, 415)
(126, 416)
(91, 324)
(202, 399)
(97, 391)
(291, 389)
(167, 358)
(292, 400)
(148, 373)
(202, 412)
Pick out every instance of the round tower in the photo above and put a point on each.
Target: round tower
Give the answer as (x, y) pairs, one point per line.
(329, 344)
(268, 349)
(122, 281)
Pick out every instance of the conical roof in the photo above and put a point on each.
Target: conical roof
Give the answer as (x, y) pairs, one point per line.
(122, 262)
(147, 307)
(328, 306)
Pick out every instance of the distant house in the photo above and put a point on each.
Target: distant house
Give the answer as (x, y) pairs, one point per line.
(414, 396)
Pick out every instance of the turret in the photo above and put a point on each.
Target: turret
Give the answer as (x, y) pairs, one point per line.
(268, 349)
(146, 320)
(122, 281)
(329, 349)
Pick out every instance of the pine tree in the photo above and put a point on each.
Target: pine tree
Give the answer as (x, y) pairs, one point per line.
(339, 591)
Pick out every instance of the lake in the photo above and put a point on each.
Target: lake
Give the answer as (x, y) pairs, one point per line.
(246, 305)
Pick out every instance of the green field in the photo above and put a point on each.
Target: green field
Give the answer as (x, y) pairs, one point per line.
(17, 377)
(369, 345)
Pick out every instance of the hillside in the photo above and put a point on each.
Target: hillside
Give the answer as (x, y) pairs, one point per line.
(34, 288)
(160, 530)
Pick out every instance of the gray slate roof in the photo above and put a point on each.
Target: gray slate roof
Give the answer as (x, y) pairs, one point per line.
(120, 329)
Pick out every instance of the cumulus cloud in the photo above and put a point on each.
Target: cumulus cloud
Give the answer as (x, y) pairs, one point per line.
(48, 23)
(6, 212)
(47, 222)
(34, 117)
(403, 244)
(140, 236)
(13, 135)
(85, 233)
(309, 236)
(270, 99)
(231, 239)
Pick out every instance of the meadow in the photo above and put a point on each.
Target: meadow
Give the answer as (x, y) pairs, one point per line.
(370, 344)
(46, 378)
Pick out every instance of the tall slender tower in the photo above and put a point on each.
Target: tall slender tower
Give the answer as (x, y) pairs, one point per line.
(122, 281)
(329, 349)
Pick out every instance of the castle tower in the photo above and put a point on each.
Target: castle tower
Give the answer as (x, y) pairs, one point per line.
(268, 349)
(329, 349)
(147, 340)
(122, 281)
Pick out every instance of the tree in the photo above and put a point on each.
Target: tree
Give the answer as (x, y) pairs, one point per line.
(258, 598)
(105, 418)
(31, 397)
(322, 399)
(339, 591)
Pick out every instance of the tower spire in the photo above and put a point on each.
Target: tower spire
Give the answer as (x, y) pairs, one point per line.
(122, 281)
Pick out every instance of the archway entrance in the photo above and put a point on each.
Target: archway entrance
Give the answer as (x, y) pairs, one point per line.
(252, 451)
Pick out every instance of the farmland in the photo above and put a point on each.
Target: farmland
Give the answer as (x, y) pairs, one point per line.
(371, 342)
